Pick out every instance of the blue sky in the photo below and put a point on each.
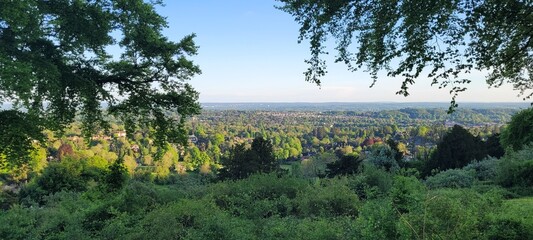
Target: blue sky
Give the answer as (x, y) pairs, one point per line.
(249, 53)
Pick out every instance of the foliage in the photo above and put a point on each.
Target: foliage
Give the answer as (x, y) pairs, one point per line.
(509, 229)
(515, 169)
(68, 175)
(169, 198)
(494, 147)
(17, 130)
(444, 40)
(406, 194)
(116, 175)
(347, 164)
(242, 162)
(456, 149)
(316, 166)
(46, 57)
(484, 170)
(519, 131)
(383, 156)
(371, 183)
(377, 220)
(451, 178)
(259, 196)
(192, 220)
(268, 206)
(467, 208)
(330, 199)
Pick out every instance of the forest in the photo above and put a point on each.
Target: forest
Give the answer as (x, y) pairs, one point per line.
(282, 174)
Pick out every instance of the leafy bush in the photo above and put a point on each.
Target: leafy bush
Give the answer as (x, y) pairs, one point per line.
(70, 174)
(258, 196)
(452, 178)
(382, 156)
(449, 214)
(406, 194)
(515, 169)
(188, 219)
(377, 220)
(519, 131)
(372, 183)
(330, 199)
(512, 229)
(484, 170)
(306, 228)
(17, 223)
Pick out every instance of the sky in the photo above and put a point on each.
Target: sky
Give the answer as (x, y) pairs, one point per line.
(249, 53)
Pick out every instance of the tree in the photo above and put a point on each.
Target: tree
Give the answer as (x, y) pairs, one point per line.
(243, 162)
(519, 131)
(383, 156)
(395, 146)
(493, 146)
(117, 175)
(347, 164)
(64, 150)
(408, 39)
(17, 130)
(456, 149)
(55, 64)
(262, 148)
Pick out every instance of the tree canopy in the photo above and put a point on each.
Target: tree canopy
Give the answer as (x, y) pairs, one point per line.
(456, 149)
(519, 131)
(409, 39)
(63, 59)
(243, 162)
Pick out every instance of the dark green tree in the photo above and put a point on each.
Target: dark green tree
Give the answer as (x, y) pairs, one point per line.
(17, 130)
(346, 165)
(398, 155)
(264, 155)
(235, 165)
(56, 63)
(493, 146)
(117, 175)
(409, 39)
(456, 149)
(519, 131)
(243, 162)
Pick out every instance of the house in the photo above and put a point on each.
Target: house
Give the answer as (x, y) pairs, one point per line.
(121, 133)
(135, 148)
(193, 139)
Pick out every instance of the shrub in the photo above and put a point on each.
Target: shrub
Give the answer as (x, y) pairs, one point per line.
(515, 169)
(512, 229)
(307, 228)
(188, 219)
(450, 214)
(484, 170)
(258, 196)
(382, 156)
(519, 131)
(452, 178)
(373, 182)
(377, 220)
(331, 199)
(406, 194)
